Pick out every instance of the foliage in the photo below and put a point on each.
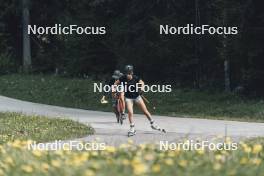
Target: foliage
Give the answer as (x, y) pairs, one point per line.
(7, 64)
(133, 37)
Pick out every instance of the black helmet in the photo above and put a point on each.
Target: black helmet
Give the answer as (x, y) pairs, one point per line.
(117, 74)
(129, 69)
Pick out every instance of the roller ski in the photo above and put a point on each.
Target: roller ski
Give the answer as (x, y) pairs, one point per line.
(132, 131)
(156, 127)
(123, 116)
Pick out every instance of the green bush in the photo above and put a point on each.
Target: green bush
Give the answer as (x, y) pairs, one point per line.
(7, 64)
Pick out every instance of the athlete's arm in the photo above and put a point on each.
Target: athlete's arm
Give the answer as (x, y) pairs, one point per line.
(117, 82)
(141, 85)
(105, 94)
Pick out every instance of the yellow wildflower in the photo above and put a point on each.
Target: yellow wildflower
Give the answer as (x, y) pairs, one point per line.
(139, 153)
(55, 163)
(59, 152)
(79, 159)
(123, 146)
(161, 155)
(244, 145)
(169, 161)
(172, 153)
(9, 161)
(136, 160)
(243, 161)
(142, 146)
(200, 151)
(247, 149)
(130, 141)
(16, 144)
(125, 162)
(139, 168)
(66, 146)
(37, 153)
(110, 149)
(89, 173)
(28, 142)
(2, 150)
(256, 161)
(218, 157)
(85, 155)
(156, 168)
(228, 140)
(94, 153)
(27, 168)
(2, 172)
(257, 148)
(4, 166)
(183, 163)
(44, 166)
(217, 166)
(149, 157)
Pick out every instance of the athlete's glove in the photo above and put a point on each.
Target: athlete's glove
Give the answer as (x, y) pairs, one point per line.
(103, 101)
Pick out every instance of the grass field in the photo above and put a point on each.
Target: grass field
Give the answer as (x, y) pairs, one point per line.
(129, 159)
(40, 129)
(78, 93)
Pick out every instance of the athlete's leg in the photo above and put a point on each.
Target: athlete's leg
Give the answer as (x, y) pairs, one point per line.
(115, 110)
(129, 104)
(143, 107)
(122, 96)
(114, 106)
(132, 130)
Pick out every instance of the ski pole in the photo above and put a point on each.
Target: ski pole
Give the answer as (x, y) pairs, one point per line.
(146, 100)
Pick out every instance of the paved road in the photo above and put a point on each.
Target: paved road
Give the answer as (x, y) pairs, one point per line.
(107, 130)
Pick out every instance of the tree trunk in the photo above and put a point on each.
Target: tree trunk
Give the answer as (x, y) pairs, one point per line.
(226, 60)
(26, 37)
(198, 73)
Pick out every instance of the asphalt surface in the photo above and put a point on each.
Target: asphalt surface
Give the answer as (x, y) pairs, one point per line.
(108, 131)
